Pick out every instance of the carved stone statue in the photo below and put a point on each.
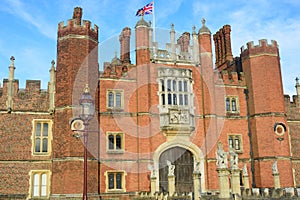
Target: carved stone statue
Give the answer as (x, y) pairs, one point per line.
(221, 157)
(171, 168)
(245, 171)
(274, 168)
(234, 159)
(196, 167)
(152, 170)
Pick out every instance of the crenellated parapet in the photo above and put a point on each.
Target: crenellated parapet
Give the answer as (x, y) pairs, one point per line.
(263, 48)
(77, 27)
(29, 99)
(227, 77)
(293, 105)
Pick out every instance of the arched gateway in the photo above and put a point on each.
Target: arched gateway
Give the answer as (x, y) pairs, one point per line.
(184, 167)
(188, 160)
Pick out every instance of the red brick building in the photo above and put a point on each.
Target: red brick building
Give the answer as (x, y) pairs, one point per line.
(171, 105)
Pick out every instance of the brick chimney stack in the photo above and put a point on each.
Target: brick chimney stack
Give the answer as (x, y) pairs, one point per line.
(77, 15)
(223, 50)
(125, 45)
(184, 41)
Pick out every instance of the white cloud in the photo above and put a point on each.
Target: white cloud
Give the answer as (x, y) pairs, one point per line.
(30, 15)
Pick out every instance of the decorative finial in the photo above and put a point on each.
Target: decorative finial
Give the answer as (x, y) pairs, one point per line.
(52, 62)
(86, 89)
(150, 23)
(194, 29)
(172, 26)
(203, 21)
(297, 81)
(116, 54)
(12, 60)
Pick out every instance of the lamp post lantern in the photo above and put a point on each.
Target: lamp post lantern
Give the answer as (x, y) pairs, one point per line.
(87, 111)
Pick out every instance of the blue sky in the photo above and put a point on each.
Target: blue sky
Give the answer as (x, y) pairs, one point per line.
(29, 28)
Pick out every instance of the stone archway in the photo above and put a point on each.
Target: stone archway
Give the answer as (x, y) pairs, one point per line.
(184, 167)
(187, 146)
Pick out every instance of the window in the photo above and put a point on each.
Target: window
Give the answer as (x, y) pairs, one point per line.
(115, 181)
(41, 137)
(177, 92)
(40, 184)
(115, 142)
(115, 99)
(231, 104)
(235, 142)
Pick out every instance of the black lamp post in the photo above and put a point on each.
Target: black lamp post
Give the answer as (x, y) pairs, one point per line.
(87, 110)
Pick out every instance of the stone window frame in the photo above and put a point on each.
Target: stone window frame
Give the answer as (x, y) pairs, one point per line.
(41, 137)
(115, 149)
(32, 184)
(171, 94)
(232, 104)
(115, 92)
(114, 173)
(232, 139)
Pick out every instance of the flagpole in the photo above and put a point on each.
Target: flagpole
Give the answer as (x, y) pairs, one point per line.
(153, 23)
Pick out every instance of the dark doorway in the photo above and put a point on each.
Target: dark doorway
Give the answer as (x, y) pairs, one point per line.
(184, 167)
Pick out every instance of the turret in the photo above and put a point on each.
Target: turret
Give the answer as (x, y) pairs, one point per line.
(77, 48)
(77, 65)
(261, 65)
(142, 42)
(204, 37)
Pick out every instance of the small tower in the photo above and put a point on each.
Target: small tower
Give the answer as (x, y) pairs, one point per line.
(206, 68)
(142, 42)
(268, 123)
(77, 65)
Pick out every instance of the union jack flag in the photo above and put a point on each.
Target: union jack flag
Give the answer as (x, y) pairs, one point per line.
(147, 9)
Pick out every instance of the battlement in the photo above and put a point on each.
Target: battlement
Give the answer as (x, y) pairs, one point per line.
(227, 77)
(31, 98)
(77, 26)
(262, 48)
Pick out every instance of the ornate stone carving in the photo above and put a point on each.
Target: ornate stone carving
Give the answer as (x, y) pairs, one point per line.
(152, 170)
(221, 157)
(274, 168)
(197, 167)
(234, 160)
(245, 171)
(171, 168)
(179, 117)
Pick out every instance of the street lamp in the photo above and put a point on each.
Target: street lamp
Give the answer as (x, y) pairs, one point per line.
(86, 113)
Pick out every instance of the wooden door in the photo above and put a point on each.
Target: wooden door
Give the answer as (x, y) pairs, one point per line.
(184, 167)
